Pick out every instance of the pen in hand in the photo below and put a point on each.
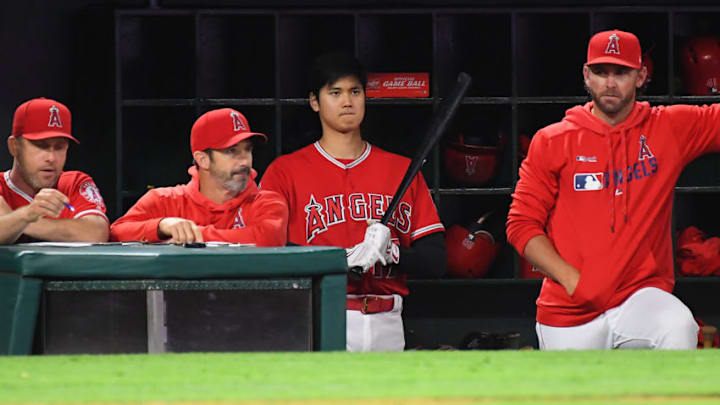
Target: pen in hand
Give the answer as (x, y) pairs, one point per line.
(70, 207)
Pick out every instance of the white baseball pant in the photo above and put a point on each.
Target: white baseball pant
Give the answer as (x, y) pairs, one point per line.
(649, 319)
(378, 332)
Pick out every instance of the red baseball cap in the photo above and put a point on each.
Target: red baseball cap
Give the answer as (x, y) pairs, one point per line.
(615, 47)
(219, 129)
(42, 118)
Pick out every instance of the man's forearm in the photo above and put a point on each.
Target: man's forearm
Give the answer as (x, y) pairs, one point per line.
(541, 253)
(90, 228)
(12, 226)
(426, 257)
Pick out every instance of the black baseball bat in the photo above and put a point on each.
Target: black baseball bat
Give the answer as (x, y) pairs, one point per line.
(436, 129)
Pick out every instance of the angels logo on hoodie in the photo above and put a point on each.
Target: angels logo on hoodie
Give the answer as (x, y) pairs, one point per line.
(645, 166)
(645, 152)
(238, 222)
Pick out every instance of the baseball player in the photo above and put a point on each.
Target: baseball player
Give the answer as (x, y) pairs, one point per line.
(221, 203)
(336, 187)
(38, 200)
(591, 209)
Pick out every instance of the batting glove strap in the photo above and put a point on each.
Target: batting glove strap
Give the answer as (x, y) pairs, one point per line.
(392, 254)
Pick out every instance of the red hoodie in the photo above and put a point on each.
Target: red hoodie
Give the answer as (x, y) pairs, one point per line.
(603, 195)
(253, 216)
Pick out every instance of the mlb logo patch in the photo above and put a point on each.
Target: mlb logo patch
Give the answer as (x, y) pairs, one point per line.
(588, 181)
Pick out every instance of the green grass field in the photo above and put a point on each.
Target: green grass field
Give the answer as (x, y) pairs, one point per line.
(452, 377)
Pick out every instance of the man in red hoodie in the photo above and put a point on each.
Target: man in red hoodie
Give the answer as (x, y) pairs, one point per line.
(220, 203)
(593, 204)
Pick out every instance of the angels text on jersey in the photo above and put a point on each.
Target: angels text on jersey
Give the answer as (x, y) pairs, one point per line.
(323, 213)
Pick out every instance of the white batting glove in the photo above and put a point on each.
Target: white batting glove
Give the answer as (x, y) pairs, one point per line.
(377, 235)
(364, 255)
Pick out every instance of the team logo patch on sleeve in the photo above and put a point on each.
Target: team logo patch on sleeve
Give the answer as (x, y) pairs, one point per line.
(90, 192)
(588, 181)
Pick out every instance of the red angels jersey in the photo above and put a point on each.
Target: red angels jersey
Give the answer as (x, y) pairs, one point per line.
(80, 188)
(331, 201)
(252, 217)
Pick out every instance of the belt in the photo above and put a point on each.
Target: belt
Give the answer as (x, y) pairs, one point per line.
(371, 304)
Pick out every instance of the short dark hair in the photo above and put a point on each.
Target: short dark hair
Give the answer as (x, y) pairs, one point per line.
(209, 153)
(330, 67)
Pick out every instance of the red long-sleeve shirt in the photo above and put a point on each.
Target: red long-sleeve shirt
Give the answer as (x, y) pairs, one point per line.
(603, 196)
(253, 216)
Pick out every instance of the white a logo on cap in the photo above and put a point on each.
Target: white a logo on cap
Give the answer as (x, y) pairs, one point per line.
(55, 117)
(238, 124)
(613, 45)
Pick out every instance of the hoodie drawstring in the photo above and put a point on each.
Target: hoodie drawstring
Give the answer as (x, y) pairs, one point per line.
(583, 117)
(612, 180)
(616, 177)
(626, 189)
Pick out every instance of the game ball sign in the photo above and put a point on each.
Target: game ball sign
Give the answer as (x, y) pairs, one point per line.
(389, 85)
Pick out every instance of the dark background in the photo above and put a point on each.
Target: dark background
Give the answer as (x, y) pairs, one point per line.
(64, 50)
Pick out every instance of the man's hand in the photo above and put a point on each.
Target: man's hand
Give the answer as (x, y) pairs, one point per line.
(570, 282)
(375, 247)
(48, 202)
(179, 230)
(364, 255)
(377, 235)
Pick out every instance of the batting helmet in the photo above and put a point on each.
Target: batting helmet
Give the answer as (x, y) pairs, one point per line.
(471, 248)
(700, 58)
(471, 160)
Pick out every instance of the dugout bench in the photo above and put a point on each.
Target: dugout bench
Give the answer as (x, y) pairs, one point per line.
(113, 298)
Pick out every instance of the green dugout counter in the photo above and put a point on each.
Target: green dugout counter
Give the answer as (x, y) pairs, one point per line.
(124, 298)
